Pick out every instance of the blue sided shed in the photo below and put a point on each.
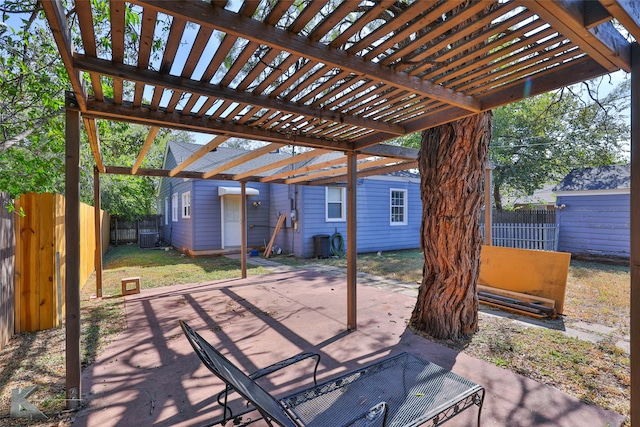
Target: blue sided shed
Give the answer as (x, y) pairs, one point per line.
(594, 211)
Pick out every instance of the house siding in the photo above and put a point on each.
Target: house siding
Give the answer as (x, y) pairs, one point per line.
(206, 216)
(375, 232)
(282, 200)
(181, 232)
(594, 224)
(374, 229)
(204, 231)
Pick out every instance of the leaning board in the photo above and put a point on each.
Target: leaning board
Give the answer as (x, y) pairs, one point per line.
(532, 272)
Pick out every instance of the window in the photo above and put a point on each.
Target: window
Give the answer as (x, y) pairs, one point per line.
(398, 207)
(186, 204)
(166, 211)
(335, 209)
(174, 207)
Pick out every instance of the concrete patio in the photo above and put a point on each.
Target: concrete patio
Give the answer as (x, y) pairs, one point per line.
(151, 376)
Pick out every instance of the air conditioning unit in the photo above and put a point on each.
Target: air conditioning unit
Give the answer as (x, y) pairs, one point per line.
(147, 239)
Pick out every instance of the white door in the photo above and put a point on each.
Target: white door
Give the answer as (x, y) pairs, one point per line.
(231, 221)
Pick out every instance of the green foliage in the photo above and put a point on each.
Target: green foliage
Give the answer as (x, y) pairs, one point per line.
(540, 139)
(32, 137)
(31, 101)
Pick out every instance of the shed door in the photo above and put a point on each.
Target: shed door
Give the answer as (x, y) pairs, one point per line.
(231, 221)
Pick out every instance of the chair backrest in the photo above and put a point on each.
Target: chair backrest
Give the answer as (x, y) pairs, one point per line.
(234, 377)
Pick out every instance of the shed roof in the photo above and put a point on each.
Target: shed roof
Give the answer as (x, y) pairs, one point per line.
(612, 177)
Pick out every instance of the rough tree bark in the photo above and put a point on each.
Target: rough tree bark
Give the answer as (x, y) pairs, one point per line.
(451, 160)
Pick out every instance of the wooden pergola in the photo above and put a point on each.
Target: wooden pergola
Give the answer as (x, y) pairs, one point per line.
(329, 75)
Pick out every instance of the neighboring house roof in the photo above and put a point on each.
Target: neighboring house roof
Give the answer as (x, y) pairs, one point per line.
(614, 177)
(222, 155)
(542, 196)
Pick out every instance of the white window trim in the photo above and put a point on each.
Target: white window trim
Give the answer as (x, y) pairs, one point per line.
(166, 211)
(404, 207)
(174, 207)
(186, 205)
(343, 212)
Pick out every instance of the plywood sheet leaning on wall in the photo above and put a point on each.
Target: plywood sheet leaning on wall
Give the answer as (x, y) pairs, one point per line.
(531, 272)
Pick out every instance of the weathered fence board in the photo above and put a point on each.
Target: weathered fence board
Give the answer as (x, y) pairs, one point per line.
(524, 229)
(7, 259)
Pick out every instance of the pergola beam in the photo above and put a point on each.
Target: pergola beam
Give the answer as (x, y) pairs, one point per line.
(145, 148)
(282, 163)
(144, 116)
(208, 147)
(211, 16)
(58, 23)
(196, 88)
(94, 140)
(367, 172)
(603, 43)
(627, 12)
(242, 159)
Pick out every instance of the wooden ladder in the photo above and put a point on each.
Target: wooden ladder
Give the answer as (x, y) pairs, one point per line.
(267, 250)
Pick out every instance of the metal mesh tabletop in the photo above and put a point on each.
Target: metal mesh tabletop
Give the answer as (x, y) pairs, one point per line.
(417, 391)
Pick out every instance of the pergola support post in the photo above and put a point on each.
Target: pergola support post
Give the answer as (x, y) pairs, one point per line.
(98, 230)
(243, 228)
(488, 176)
(352, 183)
(72, 257)
(635, 232)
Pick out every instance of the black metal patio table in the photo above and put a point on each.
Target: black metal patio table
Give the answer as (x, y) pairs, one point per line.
(417, 392)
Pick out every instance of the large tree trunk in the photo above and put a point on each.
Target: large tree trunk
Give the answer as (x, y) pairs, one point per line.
(451, 160)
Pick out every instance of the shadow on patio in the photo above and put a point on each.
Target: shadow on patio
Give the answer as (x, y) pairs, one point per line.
(151, 376)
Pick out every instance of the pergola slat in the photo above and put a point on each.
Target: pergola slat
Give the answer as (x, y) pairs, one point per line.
(144, 49)
(371, 14)
(229, 22)
(85, 21)
(338, 171)
(185, 85)
(306, 169)
(468, 36)
(117, 11)
(400, 37)
(330, 21)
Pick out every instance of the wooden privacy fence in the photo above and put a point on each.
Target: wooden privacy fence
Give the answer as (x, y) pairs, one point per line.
(123, 231)
(40, 258)
(7, 258)
(524, 229)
